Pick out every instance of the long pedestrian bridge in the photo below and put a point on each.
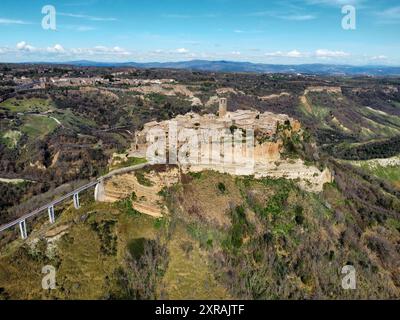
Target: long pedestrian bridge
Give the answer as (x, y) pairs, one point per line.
(98, 184)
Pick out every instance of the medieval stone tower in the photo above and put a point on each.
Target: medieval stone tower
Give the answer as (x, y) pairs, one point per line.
(223, 107)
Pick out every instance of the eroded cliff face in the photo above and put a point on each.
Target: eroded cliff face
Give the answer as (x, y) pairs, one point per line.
(309, 178)
(268, 151)
(143, 188)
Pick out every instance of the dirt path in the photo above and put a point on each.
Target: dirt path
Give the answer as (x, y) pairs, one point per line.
(305, 102)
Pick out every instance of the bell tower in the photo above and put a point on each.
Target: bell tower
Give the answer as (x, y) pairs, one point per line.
(223, 107)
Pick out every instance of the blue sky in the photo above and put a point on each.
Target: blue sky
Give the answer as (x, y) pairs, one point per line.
(268, 31)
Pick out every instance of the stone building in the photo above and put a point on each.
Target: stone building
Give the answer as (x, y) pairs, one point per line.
(253, 148)
(210, 129)
(223, 107)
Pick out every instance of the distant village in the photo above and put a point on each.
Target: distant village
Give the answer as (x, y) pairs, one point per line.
(70, 78)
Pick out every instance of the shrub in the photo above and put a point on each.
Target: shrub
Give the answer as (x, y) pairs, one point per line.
(142, 179)
(221, 187)
(299, 216)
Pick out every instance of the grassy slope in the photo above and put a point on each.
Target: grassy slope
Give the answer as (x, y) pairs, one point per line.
(390, 173)
(132, 161)
(27, 105)
(278, 242)
(85, 271)
(346, 117)
(286, 243)
(189, 274)
(37, 127)
(83, 257)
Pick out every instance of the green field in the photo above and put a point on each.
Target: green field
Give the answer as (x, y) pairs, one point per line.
(389, 173)
(38, 126)
(27, 105)
(11, 138)
(72, 121)
(35, 126)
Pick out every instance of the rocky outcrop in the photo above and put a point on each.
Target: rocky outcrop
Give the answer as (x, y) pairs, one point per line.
(145, 198)
(268, 151)
(323, 89)
(274, 96)
(309, 178)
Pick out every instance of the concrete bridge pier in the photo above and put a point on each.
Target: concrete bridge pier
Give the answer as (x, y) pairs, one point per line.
(51, 214)
(76, 201)
(22, 229)
(99, 191)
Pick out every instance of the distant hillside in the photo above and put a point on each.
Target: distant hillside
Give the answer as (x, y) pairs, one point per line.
(233, 66)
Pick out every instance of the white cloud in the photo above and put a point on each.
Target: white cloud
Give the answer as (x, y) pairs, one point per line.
(86, 17)
(100, 50)
(274, 54)
(324, 53)
(11, 21)
(336, 2)
(24, 51)
(255, 31)
(289, 54)
(320, 53)
(5, 50)
(79, 28)
(187, 16)
(295, 54)
(56, 49)
(182, 50)
(84, 28)
(390, 16)
(295, 17)
(292, 16)
(23, 46)
(103, 50)
(392, 12)
(380, 57)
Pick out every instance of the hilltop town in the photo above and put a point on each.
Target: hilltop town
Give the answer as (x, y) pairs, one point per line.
(243, 142)
(258, 153)
(294, 177)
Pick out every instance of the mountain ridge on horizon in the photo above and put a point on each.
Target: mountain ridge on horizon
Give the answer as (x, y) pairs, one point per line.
(246, 67)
